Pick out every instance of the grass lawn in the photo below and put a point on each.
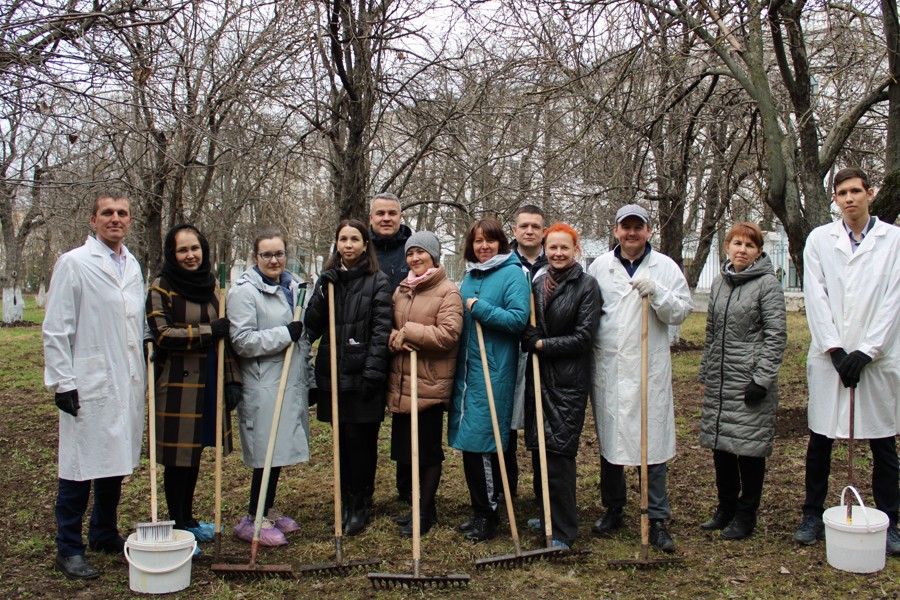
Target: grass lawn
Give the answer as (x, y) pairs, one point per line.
(767, 565)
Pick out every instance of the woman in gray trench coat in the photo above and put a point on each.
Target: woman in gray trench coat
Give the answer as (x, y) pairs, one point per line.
(745, 338)
(261, 308)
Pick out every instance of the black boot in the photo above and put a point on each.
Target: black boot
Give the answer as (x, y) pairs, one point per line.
(740, 527)
(425, 524)
(483, 529)
(719, 520)
(359, 516)
(611, 521)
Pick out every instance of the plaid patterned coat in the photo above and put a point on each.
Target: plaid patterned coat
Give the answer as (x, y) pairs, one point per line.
(182, 337)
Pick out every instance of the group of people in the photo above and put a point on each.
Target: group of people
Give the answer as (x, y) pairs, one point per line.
(383, 300)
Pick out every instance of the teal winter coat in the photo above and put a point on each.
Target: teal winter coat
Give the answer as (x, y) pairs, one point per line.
(502, 309)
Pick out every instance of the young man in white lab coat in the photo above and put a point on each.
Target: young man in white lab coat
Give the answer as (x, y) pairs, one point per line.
(93, 333)
(627, 274)
(851, 286)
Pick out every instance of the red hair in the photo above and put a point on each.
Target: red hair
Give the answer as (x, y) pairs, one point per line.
(562, 228)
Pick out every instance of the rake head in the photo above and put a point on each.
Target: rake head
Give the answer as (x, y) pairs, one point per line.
(389, 581)
(253, 571)
(644, 563)
(337, 568)
(515, 561)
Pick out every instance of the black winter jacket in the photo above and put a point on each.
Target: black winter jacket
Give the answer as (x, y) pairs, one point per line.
(362, 328)
(391, 253)
(567, 325)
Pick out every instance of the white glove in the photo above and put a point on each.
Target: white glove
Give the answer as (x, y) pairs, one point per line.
(645, 287)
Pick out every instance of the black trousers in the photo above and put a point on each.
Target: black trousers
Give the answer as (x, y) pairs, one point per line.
(512, 465)
(179, 484)
(739, 482)
(359, 458)
(483, 482)
(885, 471)
(256, 485)
(71, 504)
(561, 484)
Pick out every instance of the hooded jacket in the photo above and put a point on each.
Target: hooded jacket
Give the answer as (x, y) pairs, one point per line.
(746, 333)
(502, 309)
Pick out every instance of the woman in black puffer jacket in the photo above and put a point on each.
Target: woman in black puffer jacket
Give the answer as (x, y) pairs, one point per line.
(746, 333)
(362, 328)
(567, 309)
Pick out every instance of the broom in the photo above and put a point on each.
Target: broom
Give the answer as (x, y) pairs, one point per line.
(155, 531)
(416, 579)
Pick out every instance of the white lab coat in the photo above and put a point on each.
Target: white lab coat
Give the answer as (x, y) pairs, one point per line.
(616, 390)
(853, 302)
(93, 334)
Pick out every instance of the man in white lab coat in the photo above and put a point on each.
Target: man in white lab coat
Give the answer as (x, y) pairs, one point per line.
(93, 333)
(628, 273)
(852, 290)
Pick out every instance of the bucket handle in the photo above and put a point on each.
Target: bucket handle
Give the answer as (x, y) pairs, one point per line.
(160, 571)
(858, 499)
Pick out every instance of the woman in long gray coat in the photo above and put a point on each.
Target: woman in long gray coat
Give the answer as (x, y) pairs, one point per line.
(746, 334)
(261, 308)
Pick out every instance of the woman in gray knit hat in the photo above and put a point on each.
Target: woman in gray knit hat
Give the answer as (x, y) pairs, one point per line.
(427, 319)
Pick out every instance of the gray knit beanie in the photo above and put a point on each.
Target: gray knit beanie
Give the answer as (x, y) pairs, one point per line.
(428, 242)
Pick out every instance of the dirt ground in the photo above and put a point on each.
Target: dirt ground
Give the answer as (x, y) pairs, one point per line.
(767, 565)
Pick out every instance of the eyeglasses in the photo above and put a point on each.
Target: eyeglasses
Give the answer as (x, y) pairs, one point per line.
(267, 256)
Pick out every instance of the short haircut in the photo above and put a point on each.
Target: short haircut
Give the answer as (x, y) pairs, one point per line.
(492, 230)
(267, 234)
(531, 209)
(849, 173)
(562, 228)
(385, 196)
(368, 259)
(112, 195)
(748, 230)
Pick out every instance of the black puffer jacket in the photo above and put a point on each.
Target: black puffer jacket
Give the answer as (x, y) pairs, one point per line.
(567, 324)
(362, 328)
(746, 334)
(391, 253)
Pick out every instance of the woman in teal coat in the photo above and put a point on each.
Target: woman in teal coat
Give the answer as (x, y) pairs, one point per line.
(495, 293)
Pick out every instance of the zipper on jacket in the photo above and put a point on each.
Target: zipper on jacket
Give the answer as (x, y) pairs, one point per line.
(722, 365)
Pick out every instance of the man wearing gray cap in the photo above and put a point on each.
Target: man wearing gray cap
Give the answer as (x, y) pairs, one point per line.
(627, 274)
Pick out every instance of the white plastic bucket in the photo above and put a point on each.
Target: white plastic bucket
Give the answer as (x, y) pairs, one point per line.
(160, 567)
(857, 546)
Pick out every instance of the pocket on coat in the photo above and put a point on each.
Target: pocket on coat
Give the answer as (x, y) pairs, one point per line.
(92, 383)
(353, 360)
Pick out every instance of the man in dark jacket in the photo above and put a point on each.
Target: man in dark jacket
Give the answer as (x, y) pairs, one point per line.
(528, 247)
(389, 239)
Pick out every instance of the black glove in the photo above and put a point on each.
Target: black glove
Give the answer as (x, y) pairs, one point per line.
(313, 397)
(295, 328)
(852, 366)
(220, 328)
(530, 338)
(68, 402)
(837, 357)
(370, 389)
(329, 275)
(754, 393)
(234, 393)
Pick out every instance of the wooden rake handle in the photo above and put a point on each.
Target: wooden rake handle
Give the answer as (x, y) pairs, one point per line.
(542, 442)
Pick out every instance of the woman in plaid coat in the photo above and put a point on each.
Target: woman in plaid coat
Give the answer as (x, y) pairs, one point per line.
(182, 312)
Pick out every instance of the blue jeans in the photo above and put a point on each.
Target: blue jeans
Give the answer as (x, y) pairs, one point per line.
(71, 504)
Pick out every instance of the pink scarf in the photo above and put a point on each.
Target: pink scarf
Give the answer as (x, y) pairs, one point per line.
(412, 280)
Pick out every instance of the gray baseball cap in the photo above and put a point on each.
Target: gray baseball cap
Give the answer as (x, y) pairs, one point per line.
(632, 210)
